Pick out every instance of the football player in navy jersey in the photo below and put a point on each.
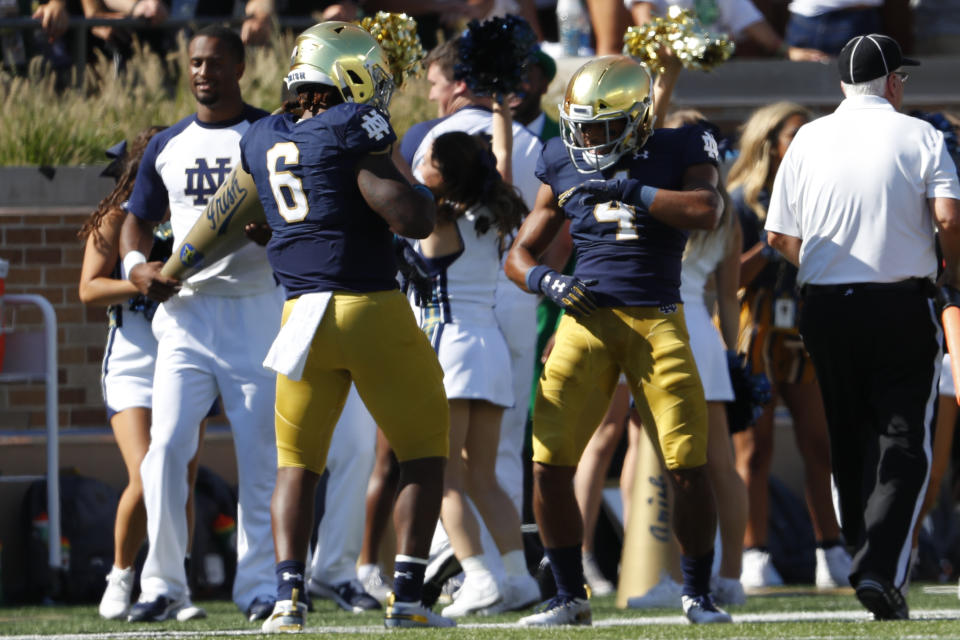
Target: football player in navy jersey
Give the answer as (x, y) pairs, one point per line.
(630, 198)
(333, 196)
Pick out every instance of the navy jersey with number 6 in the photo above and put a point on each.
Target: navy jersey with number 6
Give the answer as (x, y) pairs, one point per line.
(325, 236)
(634, 257)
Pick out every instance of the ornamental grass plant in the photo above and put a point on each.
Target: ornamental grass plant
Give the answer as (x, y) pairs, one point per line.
(42, 123)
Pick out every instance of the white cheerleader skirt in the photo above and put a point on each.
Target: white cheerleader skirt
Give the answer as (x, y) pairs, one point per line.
(475, 361)
(708, 352)
(128, 362)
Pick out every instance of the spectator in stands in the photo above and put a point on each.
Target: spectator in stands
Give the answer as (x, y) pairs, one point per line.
(609, 20)
(738, 18)
(826, 25)
(127, 370)
(771, 340)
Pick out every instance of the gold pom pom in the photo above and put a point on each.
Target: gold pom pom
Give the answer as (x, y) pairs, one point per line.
(397, 34)
(682, 32)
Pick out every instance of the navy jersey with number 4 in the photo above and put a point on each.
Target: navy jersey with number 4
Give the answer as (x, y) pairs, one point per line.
(634, 257)
(325, 236)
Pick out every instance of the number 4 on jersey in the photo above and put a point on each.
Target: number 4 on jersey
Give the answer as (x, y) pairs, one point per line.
(623, 214)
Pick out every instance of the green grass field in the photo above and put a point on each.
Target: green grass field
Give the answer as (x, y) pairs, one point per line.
(782, 613)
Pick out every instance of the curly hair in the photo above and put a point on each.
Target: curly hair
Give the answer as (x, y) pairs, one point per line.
(124, 187)
(469, 172)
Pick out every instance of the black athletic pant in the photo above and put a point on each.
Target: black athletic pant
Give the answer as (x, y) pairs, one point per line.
(876, 350)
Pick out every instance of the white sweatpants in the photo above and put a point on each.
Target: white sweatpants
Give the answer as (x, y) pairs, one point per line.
(210, 345)
(350, 462)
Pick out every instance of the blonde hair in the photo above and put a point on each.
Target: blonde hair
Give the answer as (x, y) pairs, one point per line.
(701, 240)
(754, 168)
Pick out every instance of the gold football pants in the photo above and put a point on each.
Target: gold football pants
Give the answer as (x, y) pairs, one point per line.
(372, 340)
(652, 348)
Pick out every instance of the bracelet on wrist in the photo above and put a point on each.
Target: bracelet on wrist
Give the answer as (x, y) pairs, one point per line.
(782, 50)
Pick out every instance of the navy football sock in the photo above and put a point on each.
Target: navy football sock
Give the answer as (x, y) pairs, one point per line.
(566, 563)
(696, 574)
(408, 578)
(289, 577)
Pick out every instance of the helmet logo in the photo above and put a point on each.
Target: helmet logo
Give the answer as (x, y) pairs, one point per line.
(581, 110)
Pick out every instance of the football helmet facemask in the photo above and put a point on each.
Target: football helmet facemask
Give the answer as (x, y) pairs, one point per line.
(612, 94)
(345, 56)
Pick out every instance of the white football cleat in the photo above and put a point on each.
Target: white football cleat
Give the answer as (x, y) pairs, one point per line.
(702, 610)
(375, 583)
(560, 611)
(758, 570)
(190, 611)
(728, 591)
(663, 595)
(479, 591)
(288, 616)
(412, 614)
(115, 603)
(833, 567)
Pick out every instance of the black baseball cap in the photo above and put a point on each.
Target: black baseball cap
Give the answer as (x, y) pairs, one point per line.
(866, 58)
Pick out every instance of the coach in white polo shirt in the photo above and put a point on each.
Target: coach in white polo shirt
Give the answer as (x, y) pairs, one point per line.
(854, 205)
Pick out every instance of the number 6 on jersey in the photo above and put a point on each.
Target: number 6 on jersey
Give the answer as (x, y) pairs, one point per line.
(287, 188)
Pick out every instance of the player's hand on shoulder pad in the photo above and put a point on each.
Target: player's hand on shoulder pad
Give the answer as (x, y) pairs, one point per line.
(148, 280)
(569, 293)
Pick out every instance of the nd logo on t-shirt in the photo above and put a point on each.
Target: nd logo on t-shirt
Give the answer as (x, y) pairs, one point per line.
(203, 181)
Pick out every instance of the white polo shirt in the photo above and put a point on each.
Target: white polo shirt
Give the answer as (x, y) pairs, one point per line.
(854, 187)
(812, 8)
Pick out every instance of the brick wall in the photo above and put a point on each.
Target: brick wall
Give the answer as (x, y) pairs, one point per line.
(45, 256)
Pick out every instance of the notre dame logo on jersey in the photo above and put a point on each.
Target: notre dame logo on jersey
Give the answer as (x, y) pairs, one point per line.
(203, 180)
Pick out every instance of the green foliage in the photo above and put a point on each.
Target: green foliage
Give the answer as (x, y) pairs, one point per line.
(43, 124)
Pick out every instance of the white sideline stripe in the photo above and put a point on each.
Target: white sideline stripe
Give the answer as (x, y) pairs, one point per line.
(795, 616)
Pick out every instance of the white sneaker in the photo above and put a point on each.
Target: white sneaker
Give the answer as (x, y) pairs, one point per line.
(412, 614)
(663, 595)
(190, 611)
(375, 584)
(727, 591)
(833, 567)
(702, 610)
(115, 603)
(560, 611)
(598, 583)
(758, 570)
(520, 592)
(287, 617)
(479, 591)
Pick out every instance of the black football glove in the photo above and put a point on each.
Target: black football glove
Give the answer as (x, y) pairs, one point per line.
(414, 272)
(601, 191)
(568, 292)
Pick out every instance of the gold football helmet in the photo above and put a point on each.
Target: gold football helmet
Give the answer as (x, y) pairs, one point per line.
(345, 56)
(606, 111)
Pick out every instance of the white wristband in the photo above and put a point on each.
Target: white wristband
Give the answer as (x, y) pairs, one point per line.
(132, 259)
